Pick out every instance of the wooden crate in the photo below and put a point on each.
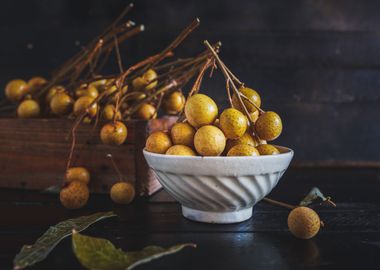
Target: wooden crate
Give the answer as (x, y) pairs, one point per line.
(34, 152)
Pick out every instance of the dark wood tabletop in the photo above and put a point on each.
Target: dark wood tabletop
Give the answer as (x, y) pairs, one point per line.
(350, 238)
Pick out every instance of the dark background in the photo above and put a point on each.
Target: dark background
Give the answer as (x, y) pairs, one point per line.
(316, 63)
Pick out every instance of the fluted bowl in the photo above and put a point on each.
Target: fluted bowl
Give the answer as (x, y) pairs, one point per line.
(219, 189)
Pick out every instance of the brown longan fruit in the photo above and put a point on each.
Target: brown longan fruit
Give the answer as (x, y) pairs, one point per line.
(243, 150)
(79, 174)
(114, 133)
(183, 133)
(304, 222)
(209, 141)
(28, 108)
(75, 195)
(268, 126)
(15, 90)
(180, 150)
(200, 110)
(158, 142)
(122, 193)
(233, 123)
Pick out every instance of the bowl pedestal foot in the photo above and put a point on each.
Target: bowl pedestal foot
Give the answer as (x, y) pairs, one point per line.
(217, 217)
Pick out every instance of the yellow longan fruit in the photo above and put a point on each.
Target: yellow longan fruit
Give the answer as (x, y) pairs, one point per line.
(28, 109)
(146, 112)
(158, 142)
(122, 193)
(98, 84)
(79, 174)
(243, 150)
(114, 133)
(180, 150)
(200, 110)
(75, 195)
(174, 103)
(245, 139)
(252, 95)
(304, 222)
(16, 89)
(183, 133)
(85, 90)
(82, 105)
(209, 141)
(36, 83)
(109, 113)
(233, 123)
(52, 91)
(142, 82)
(268, 126)
(61, 103)
(267, 149)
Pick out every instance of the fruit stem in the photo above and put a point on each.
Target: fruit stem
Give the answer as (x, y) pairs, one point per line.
(278, 203)
(115, 167)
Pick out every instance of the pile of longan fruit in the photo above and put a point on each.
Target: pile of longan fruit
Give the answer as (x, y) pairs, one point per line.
(232, 133)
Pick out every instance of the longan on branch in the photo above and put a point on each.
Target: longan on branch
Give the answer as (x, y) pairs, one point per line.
(114, 133)
(200, 110)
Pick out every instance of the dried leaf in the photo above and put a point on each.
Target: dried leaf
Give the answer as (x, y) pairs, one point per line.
(100, 254)
(314, 195)
(30, 255)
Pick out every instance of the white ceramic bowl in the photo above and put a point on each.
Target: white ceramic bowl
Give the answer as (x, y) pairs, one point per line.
(219, 189)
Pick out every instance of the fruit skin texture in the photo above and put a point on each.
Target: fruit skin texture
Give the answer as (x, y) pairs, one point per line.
(200, 110)
(180, 150)
(146, 112)
(268, 126)
(183, 133)
(209, 141)
(16, 89)
(75, 195)
(158, 142)
(252, 95)
(304, 222)
(82, 104)
(267, 149)
(61, 103)
(243, 150)
(174, 103)
(114, 133)
(233, 123)
(28, 109)
(142, 82)
(122, 193)
(79, 174)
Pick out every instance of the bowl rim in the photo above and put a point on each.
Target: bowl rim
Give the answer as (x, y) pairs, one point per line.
(289, 151)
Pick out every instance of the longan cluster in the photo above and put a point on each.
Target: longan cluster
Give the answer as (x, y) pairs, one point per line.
(232, 133)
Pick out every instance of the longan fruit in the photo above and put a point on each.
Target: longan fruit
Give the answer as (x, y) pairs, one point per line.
(180, 150)
(75, 195)
(183, 133)
(233, 123)
(252, 95)
(16, 89)
(28, 108)
(52, 91)
(82, 105)
(245, 139)
(200, 110)
(79, 174)
(303, 222)
(243, 150)
(122, 193)
(268, 126)
(267, 149)
(114, 133)
(109, 113)
(209, 141)
(98, 84)
(146, 112)
(36, 83)
(61, 103)
(85, 90)
(142, 82)
(174, 103)
(158, 142)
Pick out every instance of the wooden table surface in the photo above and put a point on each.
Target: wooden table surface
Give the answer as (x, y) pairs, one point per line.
(349, 240)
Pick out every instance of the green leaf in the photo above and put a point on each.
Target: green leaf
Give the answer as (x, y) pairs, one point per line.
(100, 254)
(312, 196)
(30, 255)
